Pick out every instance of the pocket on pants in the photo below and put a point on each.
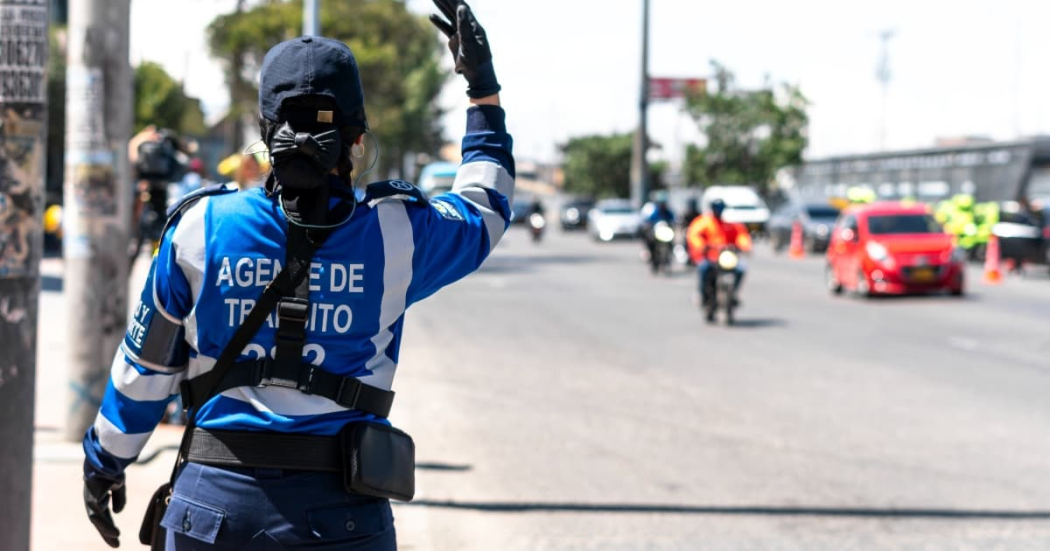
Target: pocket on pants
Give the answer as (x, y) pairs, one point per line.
(352, 523)
(193, 519)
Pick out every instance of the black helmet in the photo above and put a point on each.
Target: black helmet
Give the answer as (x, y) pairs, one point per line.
(717, 206)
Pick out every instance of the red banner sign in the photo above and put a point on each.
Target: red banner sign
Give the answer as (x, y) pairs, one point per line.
(670, 88)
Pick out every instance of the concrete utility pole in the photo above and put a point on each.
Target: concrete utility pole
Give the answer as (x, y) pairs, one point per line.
(23, 131)
(97, 199)
(639, 162)
(311, 18)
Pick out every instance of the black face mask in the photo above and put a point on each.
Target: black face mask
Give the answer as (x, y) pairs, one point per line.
(302, 160)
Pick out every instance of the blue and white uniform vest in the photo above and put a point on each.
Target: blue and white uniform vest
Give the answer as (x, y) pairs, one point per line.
(219, 254)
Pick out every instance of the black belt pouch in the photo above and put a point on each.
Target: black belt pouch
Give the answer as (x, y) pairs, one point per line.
(151, 533)
(378, 461)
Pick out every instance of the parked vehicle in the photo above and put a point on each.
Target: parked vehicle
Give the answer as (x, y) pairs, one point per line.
(892, 248)
(1043, 219)
(1020, 238)
(521, 208)
(437, 177)
(573, 214)
(817, 219)
(743, 205)
(613, 218)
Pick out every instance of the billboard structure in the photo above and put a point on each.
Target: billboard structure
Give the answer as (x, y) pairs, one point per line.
(672, 88)
(996, 171)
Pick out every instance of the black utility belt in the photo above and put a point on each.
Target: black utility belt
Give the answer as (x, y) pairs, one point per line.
(374, 459)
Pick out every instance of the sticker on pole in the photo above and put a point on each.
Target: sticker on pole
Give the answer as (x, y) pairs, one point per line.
(23, 53)
(23, 94)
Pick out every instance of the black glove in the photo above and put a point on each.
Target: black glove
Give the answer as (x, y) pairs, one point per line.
(97, 492)
(469, 45)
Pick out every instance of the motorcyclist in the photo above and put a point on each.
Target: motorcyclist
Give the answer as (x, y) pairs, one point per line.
(654, 213)
(707, 236)
(692, 210)
(536, 207)
(661, 213)
(536, 219)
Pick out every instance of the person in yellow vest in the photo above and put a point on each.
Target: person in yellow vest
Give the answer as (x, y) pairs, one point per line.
(246, 169)
(961, 222)
(860, 195)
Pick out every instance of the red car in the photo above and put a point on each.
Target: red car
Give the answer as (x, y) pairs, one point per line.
(892, 248)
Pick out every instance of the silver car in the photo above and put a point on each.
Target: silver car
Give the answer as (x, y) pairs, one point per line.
(613, 218)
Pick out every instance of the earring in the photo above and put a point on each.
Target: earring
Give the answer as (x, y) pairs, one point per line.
(357, 150)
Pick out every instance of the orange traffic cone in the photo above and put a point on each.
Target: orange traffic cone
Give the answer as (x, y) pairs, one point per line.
(796, 250)
(992, 274)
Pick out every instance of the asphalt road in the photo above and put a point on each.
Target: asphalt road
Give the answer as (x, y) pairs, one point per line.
(563, 398)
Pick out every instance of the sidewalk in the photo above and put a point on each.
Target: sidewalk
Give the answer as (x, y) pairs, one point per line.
(59, 519)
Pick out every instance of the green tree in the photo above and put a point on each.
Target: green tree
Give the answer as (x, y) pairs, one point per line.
(56, 116)
(750, 134)
(598, 166)
(397, 52)
(160, 101)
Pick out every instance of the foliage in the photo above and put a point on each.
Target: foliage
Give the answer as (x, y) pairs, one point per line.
(598, 166)
(397, 53)
(160, 101)
(750, 134)
(657, 174)
(56, 116)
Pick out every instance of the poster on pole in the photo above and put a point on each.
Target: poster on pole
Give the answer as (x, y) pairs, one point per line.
(23, 95)
(672, 88)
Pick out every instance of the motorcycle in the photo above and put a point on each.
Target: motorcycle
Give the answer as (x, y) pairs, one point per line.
(724, 280)
(663, 248)
(536, 225)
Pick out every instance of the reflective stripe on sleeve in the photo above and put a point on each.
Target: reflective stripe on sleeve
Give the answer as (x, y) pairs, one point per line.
(139, 387)
(484, 174)
(495, 224)
(115, 442)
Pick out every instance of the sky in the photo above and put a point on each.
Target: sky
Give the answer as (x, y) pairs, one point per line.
(572, 67)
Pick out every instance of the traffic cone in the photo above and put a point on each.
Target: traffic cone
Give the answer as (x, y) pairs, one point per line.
(796, 250)
(992, 274)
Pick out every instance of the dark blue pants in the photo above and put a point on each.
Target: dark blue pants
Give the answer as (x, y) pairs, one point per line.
(706, 271)
(216, 508)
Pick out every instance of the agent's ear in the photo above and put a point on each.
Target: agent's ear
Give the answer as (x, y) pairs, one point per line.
(358, 149)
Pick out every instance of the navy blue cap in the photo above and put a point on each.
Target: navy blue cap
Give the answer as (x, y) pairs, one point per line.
(312, 66)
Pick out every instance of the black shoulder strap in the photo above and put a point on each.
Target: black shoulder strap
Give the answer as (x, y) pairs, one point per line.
(293, 310)
(290, 277)
(290, 294)
(287, 368)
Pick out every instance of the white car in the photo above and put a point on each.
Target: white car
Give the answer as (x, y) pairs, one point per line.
(743, 205)
(612, 218)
